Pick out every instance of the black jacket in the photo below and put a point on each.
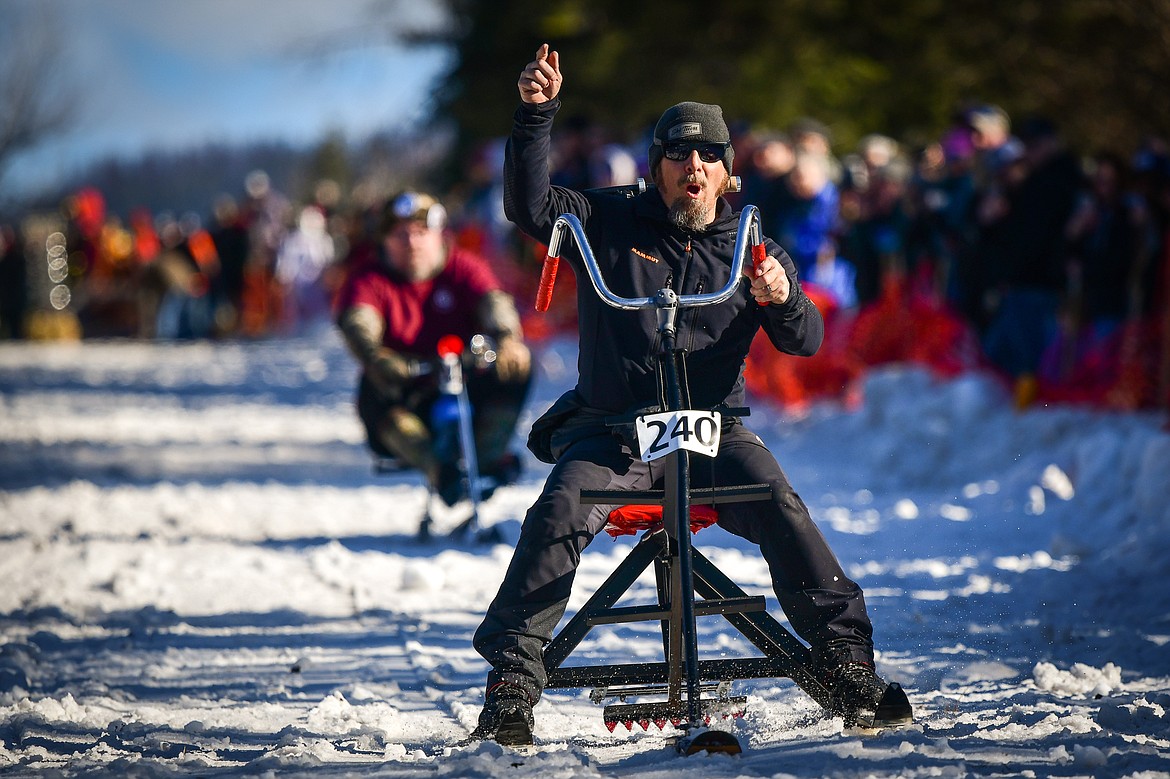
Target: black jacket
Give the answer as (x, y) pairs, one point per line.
(639, 252)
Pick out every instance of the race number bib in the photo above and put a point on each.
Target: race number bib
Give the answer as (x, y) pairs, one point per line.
(661, 434)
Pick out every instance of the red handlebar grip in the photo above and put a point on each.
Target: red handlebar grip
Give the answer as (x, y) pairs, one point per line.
(548, 277)
(759, 254)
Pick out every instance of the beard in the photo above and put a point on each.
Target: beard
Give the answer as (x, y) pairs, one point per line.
(690, 214)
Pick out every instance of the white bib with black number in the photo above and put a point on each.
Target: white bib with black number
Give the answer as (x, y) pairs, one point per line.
(661, 434)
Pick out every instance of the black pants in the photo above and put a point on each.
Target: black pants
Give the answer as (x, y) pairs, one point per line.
(822, 604)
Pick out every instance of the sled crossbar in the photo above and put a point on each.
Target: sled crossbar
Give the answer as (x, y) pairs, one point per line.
(618, 675)
(705, 608)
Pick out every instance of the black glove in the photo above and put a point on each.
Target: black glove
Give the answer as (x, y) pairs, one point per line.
(391, 371)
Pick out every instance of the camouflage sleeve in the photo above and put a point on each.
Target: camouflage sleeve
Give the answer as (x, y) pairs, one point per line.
(362, 328)
(498, 315)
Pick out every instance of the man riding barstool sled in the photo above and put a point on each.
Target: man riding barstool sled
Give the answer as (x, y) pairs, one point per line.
(679, 235)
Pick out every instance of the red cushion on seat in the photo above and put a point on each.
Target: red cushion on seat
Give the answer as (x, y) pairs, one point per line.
(632, 519)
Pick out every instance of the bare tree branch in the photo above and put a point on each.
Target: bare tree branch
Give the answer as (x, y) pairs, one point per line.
(35, 100)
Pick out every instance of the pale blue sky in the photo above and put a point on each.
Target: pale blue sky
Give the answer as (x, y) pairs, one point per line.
(175, 73)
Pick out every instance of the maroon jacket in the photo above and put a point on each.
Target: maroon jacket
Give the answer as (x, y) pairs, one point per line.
(418, 314)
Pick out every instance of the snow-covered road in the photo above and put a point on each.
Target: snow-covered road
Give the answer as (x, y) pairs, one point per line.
(203, 576)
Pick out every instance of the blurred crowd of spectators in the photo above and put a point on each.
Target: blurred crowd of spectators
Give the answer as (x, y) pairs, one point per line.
(255, 265)
(992, 246)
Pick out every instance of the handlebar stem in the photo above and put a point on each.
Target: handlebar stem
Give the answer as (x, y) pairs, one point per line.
(666, 303)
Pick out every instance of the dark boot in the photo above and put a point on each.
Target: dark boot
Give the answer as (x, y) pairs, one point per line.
(858, 694)
(450, 483)
(506, 717)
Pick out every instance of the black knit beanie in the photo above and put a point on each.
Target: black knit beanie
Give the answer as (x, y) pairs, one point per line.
(691, 123)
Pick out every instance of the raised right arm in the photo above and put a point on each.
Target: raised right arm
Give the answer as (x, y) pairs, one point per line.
(530, 200)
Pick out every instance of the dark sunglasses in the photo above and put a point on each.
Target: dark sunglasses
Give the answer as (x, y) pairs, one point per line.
(708, 152)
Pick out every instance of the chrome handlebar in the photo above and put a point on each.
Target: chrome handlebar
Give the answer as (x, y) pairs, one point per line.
(749, 230)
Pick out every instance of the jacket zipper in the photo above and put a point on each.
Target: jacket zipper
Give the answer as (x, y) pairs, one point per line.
(692, 320)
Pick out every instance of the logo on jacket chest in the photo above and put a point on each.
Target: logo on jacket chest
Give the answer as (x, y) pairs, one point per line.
(644, 255)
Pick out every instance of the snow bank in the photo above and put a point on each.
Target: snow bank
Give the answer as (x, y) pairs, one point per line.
(1080, 680)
